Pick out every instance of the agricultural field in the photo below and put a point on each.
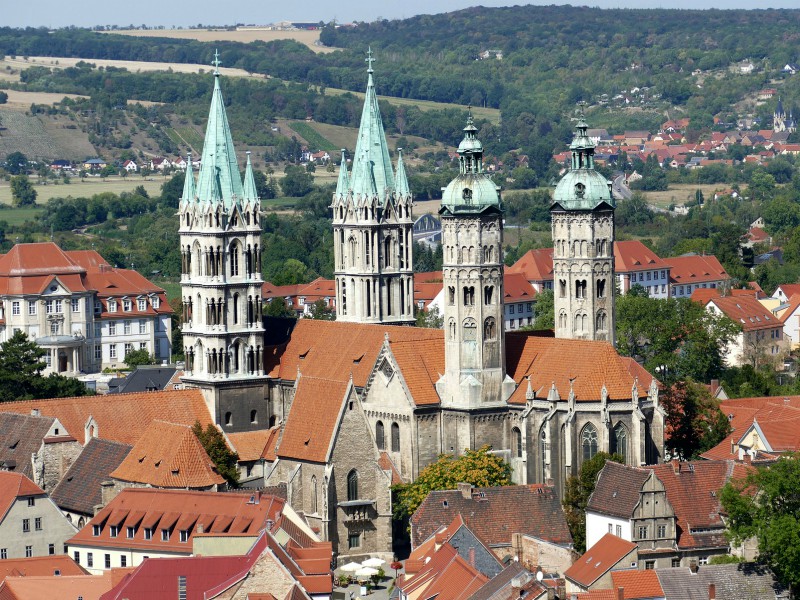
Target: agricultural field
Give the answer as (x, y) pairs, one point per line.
(245, 35)
(681, 193)
(25, 99)
(85, 188)
(41, 137)
(134, 66)
(186, 135)
(18, 216)
(312, 137)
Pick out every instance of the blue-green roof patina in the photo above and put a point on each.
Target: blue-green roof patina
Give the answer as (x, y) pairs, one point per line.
(472, 191)
(250, 193)
(372, 173)
(189, 194)
(582, 188)
(219, 180)
(401, 186)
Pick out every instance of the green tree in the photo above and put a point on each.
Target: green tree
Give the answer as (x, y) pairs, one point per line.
(277, 307)
(172, 190)
(134, 358)
(479, 467)
(577, 492)
(694, 419)
(544, 308)
(766, 506)
(3, 97)
(17, 163)
(218, 451)
(762, 185)
(296, 181)
(430, 318)
(322, 312)
(22, 192)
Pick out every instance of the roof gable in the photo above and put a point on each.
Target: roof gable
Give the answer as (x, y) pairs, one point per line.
(599, 559)
(617, 490)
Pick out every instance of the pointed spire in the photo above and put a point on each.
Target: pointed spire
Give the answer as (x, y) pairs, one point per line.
(372, 167)
(401, 187)
(189, 194)
(250, 191)
(343, 183)
(219, 179)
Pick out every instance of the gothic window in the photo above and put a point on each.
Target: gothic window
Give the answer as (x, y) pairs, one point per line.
(402, 250)
(601, 288)
(516, 440)
(379, 436)
(344, 296)
(562, 319)
(395, 437)
(313, 494)
(580, 288)
(589, 442)
(578, 323)
(234, 259)
(366, 247)
(488, 292)
(562, 288)
(451, 295)
(469, 296)
(621, 441)
(470, 330)
(600, 321)
(353, 246)
(387, 252)
(543, 453)
(352, 485)
(489, 329)
(235, 309)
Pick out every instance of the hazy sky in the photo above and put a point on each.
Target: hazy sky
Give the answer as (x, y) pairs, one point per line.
(57, 13)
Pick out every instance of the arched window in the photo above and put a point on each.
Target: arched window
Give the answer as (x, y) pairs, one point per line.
(621, 441)
(380, 439)
(601, 288)
(313, 494)
(543, 453)
(469, 295)
(352, 485)
(600, 323)
(489, 329)
(387, 252)
(451, 295)
(352, 244)
(562, 288)
(235, 309)
(488, 293)
(516, 440)
(395, 437)
(254, 416)
(589, 441)
(234, 249)
(228, 418)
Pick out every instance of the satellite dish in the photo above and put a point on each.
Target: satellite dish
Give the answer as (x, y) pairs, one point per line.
(539, 575)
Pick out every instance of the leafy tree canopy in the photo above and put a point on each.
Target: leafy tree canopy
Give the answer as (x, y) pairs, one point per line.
(22, 192)
(134, 358)
(694, 420)
(218, 451)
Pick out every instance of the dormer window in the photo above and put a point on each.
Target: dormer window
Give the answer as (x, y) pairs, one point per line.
(112, 305)
(156, 302)
(95, 530)
(127, 305)
(141, 304)
(165, 535)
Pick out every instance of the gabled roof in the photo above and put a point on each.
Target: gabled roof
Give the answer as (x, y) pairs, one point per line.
(14, 486)
(633, 255)
(693, 269)
(255, 445)
(599, 559)
(58, 587)
(44, 258)
(20, 437)
(146, 378)
(120, 417)
(421, 364)
(747, 312)
(536, 265)
(638, 585)
(38, 566)
(176, 510)
(788, 289)
(505, 586)
(742, 581)
(494, 514)
(313, 419)
(445, 576)
(79, 489)
(516, 288)
(616, 492)
(168, 455)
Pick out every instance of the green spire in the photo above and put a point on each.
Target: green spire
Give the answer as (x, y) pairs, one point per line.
(250, 191)
(372, 168)
(189, 194)
(401, 181)
(219, 179)
(343, 182)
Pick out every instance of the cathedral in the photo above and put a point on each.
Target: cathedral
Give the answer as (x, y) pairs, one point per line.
(781, 121)
(367, 401)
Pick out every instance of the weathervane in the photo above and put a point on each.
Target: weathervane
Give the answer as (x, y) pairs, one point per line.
(581, 113)
(369, 60)
(216, 62)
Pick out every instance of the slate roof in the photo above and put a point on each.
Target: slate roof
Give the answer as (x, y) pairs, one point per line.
(39, 566)
(20, 437)
(494, 514)
(742, 581)
(120, 417)
(14, 486)
(255, 445)
(637, 585)
(79, 490)
(312, 420)
(502, 586)
(168, 455)
(597, 560)
(145, 379)
(616, 492)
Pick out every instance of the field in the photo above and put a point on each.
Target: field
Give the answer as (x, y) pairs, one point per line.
(25, 99)
(18, 216)
(681, 193)
(312, 136)
(135, 66)
(86, 188)
(245, 35)
(41, 137)
(185, 135)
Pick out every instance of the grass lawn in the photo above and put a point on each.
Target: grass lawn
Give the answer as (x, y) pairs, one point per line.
(279, 203)
(18, 216)
(86, 188)
(680, 193)
(173, 288)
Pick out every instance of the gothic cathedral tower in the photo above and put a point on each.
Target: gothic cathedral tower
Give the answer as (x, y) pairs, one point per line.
(220, 236)
(583, 247)
(472, 240)
(372, 228)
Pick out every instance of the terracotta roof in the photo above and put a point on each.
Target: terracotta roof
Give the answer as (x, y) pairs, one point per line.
(536, 265)
(425, 292)
(39, 566)
(58, 587)
(599, 559)
(79, 489)
(446, 576)
(168, 455)
(789, 289)
(44, 258)
(428, 277)
(385, 463)
(704, 295)
(181, 509)
(494, 514)
(20, 437)
(421, 364)
(747, 312)
(786, 313)
(516, 288)
(312, 420)
(335, 349)
(120, 417)
(637, 585)
(633, 255)
(255, 445)
(597, 595)
(13, 486)
(695, 269)
(616, 492)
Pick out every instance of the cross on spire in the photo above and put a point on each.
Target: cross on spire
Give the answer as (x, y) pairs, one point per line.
(581, 111)
(216, 62)
(369, 60)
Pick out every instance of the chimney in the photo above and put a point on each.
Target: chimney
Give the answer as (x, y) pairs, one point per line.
(107, 492)
(693, 565)
(620, 593)
(472, 557)
(465, 489)
(551, 594)
(712, 591)
(714, 385)
(35, 412)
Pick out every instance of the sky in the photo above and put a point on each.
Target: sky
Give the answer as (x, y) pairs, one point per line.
(83, 13)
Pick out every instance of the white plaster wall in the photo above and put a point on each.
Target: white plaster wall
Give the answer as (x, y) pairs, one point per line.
(597, 527)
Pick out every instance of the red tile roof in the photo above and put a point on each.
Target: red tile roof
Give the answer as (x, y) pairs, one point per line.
(168, 455)
(177, 510)
(57, 587)
(446, 576)
(747, 312)
(635, 256)
(599, 559)
(39, 566)
(517, 288)
(255, 445)
(120, 417)
(13, 486)
(536, 265)
(421, 365)
(695, 269)
(385, 463)
(789, 289)
(637, 585)
(311, 424)
(425, 292)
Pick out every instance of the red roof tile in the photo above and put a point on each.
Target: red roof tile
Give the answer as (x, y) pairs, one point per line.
(517, 288)
(13, 486)
(695, 269)
(385, 463)
(638, 585)
(536, 265)
(633, 255)
(39, 566)
(747, 312)
(255, 445)
(57, 587)
(598, 559)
